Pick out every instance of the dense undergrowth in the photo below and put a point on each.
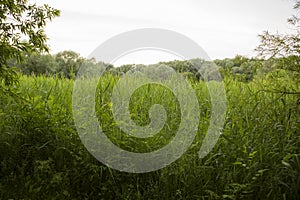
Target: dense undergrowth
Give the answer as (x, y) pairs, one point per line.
(256, 157)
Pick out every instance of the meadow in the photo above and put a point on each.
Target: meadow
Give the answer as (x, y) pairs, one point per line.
(256, 157)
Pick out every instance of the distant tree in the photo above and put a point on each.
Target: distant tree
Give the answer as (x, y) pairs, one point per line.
(123, 69)
(21, 30)
(35, 63)
(240, 67)
(189, 68)
(68, 63)
(65, 63)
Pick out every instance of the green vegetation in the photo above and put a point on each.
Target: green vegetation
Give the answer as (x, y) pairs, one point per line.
(67, 64)
(256, 157)
(21, 31)
(42, 157)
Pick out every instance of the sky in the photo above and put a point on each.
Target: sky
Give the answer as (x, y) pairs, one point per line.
(223, 28)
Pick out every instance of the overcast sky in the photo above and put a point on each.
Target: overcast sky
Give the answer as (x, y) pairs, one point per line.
(223, 28)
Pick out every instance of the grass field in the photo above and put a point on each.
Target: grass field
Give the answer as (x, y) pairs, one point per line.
(256, 157)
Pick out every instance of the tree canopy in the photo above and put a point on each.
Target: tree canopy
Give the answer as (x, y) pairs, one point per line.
(21, 31)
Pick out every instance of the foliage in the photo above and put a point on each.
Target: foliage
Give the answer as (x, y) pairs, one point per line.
(242, 68)
(256, 157)
(279, 45)
(283, 46)
(64, 64)
(21, 20)
(68, 62)
(35, 63)
(42, 157)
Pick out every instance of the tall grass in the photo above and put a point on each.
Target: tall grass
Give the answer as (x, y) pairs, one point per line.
(256, 157)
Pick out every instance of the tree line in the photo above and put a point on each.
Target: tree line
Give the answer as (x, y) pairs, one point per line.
(67, 64)
(20, 18)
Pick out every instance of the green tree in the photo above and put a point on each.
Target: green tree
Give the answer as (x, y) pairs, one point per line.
(284, 51)
(36, 63)
(68, 63)
(284, 47)
(21, 31)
